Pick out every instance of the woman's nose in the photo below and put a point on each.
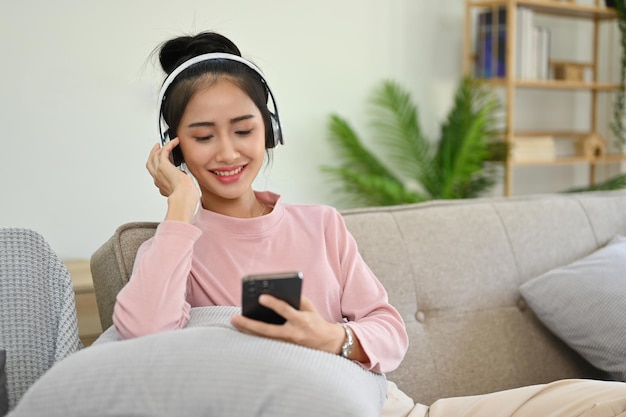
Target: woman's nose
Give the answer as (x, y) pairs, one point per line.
(227, 151)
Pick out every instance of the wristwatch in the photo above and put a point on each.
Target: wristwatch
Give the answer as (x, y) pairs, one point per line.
(346, 349)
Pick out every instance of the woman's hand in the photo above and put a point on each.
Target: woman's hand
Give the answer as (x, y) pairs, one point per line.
(166, 176)
(181, 192)
(304, 327)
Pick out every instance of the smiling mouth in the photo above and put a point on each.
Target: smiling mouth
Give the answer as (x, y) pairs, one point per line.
(229, 173)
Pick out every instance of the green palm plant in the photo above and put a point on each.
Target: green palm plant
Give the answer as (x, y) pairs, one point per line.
(619, 107)
(410, 168)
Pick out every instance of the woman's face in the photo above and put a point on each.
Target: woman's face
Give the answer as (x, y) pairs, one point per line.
(222, 138)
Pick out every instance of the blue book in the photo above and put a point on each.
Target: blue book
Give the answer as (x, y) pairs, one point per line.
(491, 44)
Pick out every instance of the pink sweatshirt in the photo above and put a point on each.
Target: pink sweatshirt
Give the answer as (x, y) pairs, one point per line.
(202, 264)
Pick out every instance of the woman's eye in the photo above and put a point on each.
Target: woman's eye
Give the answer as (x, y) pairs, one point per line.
(244, 132)
(203, 138)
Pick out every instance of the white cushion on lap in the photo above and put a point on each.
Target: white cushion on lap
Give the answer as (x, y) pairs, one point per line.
(204, 370)
(213, 316)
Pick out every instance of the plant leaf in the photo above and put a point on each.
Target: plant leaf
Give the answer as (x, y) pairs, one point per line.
(369, 189)
(355, 156)
(396, 128)
(619, 105)
(466, 142)
(613, 183)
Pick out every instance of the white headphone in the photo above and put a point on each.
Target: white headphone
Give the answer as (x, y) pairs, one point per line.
(164, 128)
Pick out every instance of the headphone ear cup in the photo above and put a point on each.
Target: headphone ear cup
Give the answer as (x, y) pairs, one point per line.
(177, 156)
(276, 130)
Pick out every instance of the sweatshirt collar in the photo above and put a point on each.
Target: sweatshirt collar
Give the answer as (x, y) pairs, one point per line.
(212, 222)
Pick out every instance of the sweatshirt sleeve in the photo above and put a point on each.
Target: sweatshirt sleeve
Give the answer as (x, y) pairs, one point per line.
(364, 303)
(154, 299)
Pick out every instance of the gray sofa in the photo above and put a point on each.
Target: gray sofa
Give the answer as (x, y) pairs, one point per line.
(453, 269)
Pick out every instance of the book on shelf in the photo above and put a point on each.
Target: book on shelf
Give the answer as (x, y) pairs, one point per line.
(533, 148)
(491, 44)
(537, 54)
(532, 45)
(542, 53)
(520, 42)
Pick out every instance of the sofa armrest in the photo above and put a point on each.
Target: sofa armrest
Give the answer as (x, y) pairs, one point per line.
(112, 264)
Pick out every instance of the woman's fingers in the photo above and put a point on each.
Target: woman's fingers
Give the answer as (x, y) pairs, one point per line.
(279, 306)
(304, 327)
(160, 154)
(166, 150)
(161, 168)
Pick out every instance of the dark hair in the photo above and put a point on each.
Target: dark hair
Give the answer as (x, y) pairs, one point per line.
(175, 51)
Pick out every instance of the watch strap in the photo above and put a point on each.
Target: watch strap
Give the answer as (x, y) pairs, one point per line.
(346, 348)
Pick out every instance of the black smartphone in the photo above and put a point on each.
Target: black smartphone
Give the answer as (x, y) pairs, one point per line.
(285, 285)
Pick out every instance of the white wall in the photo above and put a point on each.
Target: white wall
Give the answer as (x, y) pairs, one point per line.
(78, 88)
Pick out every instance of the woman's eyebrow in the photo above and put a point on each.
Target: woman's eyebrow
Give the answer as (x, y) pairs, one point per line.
(232, 121)
(241, 118)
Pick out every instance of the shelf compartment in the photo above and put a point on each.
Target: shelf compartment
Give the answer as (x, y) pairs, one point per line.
(554, 84)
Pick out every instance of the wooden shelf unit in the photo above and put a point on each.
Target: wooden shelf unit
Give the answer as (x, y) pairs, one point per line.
(510, 83)
(573, 160)
(555, 84)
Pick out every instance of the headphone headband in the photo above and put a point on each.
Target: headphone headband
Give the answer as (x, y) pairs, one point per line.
(208, 57)
(205, 57)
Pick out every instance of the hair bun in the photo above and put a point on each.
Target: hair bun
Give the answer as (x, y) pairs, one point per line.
(178, 50)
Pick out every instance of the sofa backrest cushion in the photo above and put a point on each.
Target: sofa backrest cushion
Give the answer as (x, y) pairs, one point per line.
(454, 269)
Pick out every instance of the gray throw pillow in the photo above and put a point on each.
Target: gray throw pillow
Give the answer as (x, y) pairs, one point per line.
(4, 397)
(584, 304)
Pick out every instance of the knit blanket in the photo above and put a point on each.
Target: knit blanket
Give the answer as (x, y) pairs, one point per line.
(38, 325)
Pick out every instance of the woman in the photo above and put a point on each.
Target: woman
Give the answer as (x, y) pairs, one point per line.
(214, 107)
